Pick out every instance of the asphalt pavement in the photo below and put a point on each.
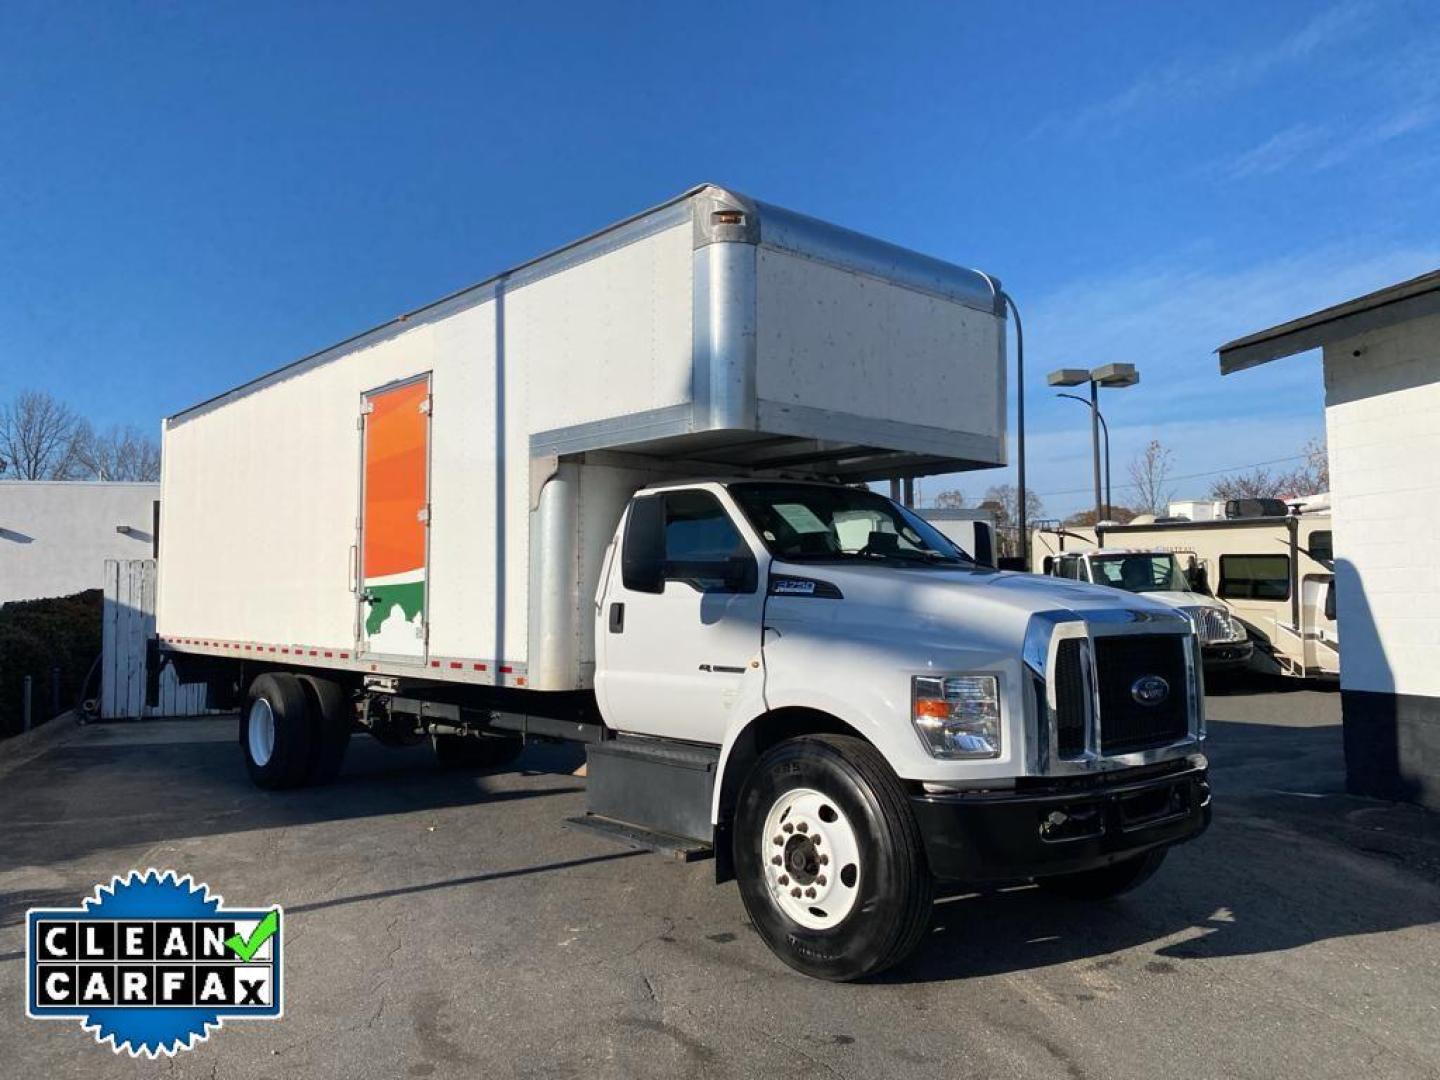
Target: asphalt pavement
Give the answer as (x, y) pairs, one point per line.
(444, 925)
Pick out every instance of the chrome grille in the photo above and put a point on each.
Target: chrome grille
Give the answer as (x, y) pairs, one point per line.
(1211, 624)
(1118, 664)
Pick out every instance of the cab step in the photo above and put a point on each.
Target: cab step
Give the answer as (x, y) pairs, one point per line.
(641, 839)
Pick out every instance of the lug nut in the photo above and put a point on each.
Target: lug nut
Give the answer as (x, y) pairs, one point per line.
(803, 827)
(787, 827)
(824, 860)
(784, 879)
(810, 893)
(779, 840)
(795, 893)
(815, 839)
(820, 881)
(776, 860)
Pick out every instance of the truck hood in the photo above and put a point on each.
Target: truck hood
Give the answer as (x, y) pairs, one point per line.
(997, 603)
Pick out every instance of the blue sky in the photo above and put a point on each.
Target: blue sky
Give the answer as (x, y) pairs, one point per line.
(193, 194)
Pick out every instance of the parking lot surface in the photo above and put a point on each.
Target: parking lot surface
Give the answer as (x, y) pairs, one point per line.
(450, 925)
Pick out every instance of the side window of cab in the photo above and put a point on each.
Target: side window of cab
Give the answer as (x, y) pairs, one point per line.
(692, 539)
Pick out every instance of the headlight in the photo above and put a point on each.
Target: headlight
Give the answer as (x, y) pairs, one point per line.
(957, 716)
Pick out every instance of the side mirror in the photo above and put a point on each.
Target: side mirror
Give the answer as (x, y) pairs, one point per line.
(642, 562)
(1196, 578)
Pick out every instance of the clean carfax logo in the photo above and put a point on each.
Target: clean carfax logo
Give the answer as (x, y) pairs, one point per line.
(151, 963)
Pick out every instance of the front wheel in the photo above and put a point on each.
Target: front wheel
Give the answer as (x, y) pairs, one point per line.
(830, 862)
(1107, 881)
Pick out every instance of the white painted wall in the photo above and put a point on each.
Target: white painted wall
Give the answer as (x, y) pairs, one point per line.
(1382, 420)
(56, 536)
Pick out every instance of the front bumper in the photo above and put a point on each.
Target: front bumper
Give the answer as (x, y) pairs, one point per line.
(1064, 826)
(1227, 656)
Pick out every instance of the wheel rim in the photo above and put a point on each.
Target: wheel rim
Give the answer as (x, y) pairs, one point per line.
(261, 731)
(812, 859)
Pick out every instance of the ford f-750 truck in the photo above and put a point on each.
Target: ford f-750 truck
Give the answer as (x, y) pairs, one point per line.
(620, 495)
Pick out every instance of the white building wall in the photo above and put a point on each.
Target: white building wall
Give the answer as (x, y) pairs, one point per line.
(1382, 421)
(56, 536)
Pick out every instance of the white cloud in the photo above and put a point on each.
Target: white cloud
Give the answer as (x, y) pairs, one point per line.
(1277, 152)
(1314, 148)
(1407, 120)
(1185, 81)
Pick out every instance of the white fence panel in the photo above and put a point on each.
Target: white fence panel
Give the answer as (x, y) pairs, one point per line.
(128, 624)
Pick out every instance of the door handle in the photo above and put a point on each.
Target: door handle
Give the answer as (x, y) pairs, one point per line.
(617, 618)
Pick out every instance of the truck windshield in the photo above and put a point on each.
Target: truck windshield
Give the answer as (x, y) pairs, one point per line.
(1139, 572)
(817, 523)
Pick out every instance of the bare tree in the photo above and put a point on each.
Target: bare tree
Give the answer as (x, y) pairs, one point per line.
(1086, 518)
(1150, 477)
(38, 438)
(1311, 478)
(1257, 483)
(1003, 501)
(120, 453)
(1314, 476)
(950, 500)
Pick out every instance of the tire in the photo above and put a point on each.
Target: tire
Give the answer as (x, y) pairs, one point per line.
(1107, 881)
(277, 734)
(331, 718)
(476, 751)
(870, 912)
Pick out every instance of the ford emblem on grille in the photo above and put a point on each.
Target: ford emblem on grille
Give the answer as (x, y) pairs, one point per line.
(1150, 690)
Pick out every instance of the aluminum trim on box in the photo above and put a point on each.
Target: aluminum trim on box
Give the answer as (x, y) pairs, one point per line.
(615, 431)
(723, 386)
(786, 230)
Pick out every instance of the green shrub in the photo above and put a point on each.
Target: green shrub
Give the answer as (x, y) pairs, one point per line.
(38, 635)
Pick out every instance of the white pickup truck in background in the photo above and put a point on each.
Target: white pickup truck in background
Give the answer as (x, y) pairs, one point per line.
(618, 495)
(1224, 642)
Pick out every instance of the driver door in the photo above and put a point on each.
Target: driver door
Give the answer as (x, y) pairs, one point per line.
(674, 662)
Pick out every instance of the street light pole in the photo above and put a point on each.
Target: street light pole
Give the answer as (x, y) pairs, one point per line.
(1104, 434)
(1095, 445)
(1111, 375)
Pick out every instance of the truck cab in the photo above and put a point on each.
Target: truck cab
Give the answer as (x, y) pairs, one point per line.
(1157, 575)
(843, 659)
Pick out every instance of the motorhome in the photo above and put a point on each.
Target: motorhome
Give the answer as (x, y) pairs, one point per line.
(1271, 564)
(618, 495)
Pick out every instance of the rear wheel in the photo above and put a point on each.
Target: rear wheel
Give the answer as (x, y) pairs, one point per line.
(332, 717)
(476, 751)
(276, 731)
(1107, 881)
(829, 859)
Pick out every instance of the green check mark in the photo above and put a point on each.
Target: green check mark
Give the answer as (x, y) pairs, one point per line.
(244, 948)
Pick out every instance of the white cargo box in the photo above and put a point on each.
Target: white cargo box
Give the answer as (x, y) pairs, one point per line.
(437, 493)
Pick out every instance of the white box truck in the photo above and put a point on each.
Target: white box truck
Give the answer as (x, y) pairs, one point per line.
(972, 530)
(618, 495)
